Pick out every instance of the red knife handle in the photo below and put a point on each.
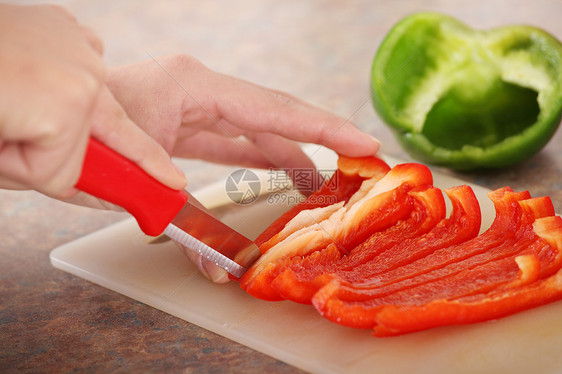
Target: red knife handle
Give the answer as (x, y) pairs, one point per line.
(108, 175)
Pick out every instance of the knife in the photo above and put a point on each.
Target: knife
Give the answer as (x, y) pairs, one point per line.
(159, 209)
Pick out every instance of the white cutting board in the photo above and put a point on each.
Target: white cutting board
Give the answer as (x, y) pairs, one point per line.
(120, 258)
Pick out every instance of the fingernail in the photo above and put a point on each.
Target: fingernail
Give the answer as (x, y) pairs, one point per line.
(214, 273)
(375, 141)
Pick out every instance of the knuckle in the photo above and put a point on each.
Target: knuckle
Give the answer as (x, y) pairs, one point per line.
(181, 61)
(280, 97)
(54, 177)
(60, 10)
(83, 89)
(324, 134)
(93, 39)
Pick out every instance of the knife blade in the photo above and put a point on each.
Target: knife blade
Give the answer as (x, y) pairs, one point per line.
(159, 209)
(199, 231)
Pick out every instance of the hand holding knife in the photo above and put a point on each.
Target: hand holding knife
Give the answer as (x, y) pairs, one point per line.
(159, 209)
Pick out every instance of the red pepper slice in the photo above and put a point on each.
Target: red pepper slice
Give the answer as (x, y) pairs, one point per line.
(371, 209)
(507, 221)
(345, 182)
(305, 275)
(385, 257)
(400, 319)
(463, 224)
(347, 179)
(512, 263)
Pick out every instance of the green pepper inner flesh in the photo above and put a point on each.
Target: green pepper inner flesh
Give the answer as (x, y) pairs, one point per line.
(502, 110)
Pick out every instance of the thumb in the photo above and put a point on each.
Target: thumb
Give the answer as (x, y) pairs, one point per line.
(111, 126)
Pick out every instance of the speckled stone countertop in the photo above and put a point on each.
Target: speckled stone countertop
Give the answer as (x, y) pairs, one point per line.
(320, 51)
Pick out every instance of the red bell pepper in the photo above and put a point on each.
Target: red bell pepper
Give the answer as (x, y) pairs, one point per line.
(385, 257)
(347, 179)
(506, 223)
(345, 182)
(504, 264)
(390, 249)
(463, 224)
(400, 319)
(306, 275)
(369, 210)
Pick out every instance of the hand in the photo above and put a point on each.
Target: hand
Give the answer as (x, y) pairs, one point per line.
(52, 97)
(197, 113)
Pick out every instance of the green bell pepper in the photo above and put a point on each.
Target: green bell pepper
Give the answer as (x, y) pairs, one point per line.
(465, 98)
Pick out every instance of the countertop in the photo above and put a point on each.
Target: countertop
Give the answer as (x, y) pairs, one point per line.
(320, 51)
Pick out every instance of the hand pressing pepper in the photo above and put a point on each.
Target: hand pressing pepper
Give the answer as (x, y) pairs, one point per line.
(56, 92)
(464, 98)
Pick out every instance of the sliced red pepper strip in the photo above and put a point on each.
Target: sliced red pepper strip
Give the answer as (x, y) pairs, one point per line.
(347, 179)
(364, 167)
(389, 207)
(347, 185)
(400, 319)
(429, 209)
(358, 272)
(305, 275)
(462, 225)
(507, 221)
(470, 276)
(345, 303)
(345, 182)
(464, 278)
(370, 210)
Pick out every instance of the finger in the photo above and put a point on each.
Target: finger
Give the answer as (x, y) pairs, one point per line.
(10, 184)
(288, 155)
(281, 152)
(93, 39)
(90, 59)
(61, 10)
(221, 149)
(207, 268)
(74, 197)
(84, 199)
(282, 114)
(50, 164)
(111, 126)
